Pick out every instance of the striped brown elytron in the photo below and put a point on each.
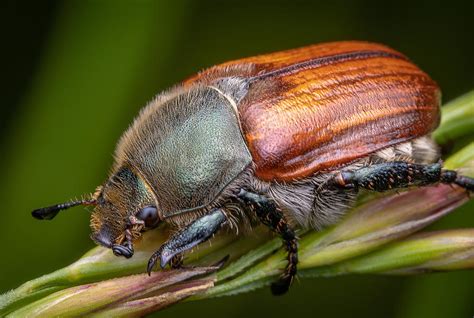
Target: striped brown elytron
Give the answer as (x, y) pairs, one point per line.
(320, 107)
(326, 60)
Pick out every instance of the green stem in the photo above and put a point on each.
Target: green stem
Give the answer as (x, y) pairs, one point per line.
(457, 119)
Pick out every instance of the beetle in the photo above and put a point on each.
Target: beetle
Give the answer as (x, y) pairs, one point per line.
(289, 138)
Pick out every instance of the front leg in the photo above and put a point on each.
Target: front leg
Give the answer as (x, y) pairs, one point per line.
(269, 215)
(195, 233)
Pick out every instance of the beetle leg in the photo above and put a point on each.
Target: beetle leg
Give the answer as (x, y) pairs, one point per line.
(269, 215)
(399, 174)
(195, 233)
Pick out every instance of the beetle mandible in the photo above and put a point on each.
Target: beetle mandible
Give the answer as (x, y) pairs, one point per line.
(289, 137)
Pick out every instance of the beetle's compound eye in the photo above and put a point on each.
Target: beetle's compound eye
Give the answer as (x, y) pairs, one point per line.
(149, 215)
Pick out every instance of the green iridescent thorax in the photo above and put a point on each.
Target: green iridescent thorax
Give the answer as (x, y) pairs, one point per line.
(189, 148)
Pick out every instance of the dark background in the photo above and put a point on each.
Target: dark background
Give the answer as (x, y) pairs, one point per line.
(75, 73)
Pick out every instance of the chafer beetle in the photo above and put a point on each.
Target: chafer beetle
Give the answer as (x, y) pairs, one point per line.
(288, 137)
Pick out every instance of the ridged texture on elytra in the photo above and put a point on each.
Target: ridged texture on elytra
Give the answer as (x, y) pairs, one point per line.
(320, 107)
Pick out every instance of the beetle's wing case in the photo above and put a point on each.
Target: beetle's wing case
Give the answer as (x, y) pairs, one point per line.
(323, 106)
(188, 146)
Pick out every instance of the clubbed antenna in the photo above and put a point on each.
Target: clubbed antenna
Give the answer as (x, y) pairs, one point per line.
(48, 213)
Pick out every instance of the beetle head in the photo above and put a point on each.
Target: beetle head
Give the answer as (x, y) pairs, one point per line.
(123, 208)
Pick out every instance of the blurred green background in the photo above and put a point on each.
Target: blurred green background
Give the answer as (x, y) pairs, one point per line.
(76, 72)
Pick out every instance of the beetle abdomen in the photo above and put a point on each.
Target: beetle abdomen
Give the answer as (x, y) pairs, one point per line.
(323, 106)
